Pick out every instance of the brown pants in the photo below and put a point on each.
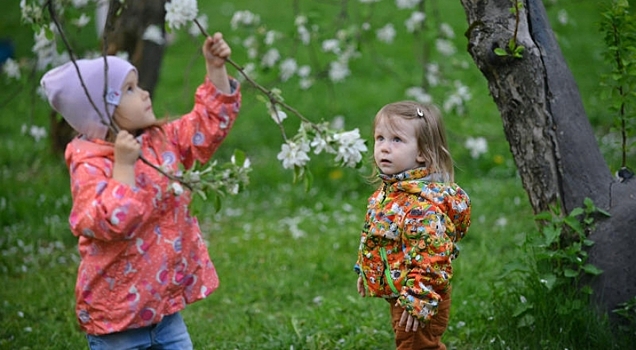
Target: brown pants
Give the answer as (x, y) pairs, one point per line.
(428, 337)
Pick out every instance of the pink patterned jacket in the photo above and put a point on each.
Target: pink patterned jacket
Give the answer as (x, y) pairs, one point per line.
(142, 254)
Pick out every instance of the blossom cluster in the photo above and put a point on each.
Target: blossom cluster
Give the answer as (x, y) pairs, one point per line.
(346, 145)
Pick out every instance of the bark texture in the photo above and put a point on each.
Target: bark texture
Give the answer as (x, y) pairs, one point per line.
(550, 136)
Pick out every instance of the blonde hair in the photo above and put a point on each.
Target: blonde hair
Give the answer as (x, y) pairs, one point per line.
(429, 131)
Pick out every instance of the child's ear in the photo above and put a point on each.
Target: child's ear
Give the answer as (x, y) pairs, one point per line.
(420, 158)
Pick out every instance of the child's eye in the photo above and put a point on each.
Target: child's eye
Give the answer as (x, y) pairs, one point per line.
(397, 139)
(379, 138)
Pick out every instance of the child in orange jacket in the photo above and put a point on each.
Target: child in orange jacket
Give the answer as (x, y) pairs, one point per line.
(412, 223)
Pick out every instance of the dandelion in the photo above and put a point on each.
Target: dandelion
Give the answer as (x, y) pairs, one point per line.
(179, 12)
(293, 154)
(155, 34)
(386, 34)
(11, 68)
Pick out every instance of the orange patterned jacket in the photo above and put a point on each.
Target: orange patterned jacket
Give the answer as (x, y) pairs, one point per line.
(409, 239)
(142, 254)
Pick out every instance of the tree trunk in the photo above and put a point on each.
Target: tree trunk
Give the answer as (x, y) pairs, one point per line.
(124, 32)
(550, 137)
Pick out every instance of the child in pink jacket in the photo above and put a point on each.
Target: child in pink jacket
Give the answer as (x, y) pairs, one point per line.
(142, 255)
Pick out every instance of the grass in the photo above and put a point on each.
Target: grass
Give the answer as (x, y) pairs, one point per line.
(284, 255)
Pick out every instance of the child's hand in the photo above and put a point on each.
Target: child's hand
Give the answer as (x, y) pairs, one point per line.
(361, 287)
(216, 50)
(127, 149)
(409, 320)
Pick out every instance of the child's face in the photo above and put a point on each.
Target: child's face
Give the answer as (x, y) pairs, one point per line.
(395, 149)
(135, 107)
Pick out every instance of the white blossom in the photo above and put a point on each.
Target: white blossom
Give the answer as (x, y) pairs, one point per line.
(413, 22)
(477, 146)
(278, 116)
(456, 100)
(30, 13)
(287, 68)
(194, 29)
(270, 37)
(320, 144)
(293, 154)
(445, 47)
(432, 74)
(338, 71)
(179, 12)
(251, 44)
(563, 17)
(11, 68)
(79, 3)
(350, 147)
(270, 58)
(406, 4)
(82, 21)
(447, 31)
(45, 49)
(154, 33)
(176, 188)
(331, 45)
(244, 18)
(300, 21)
(386, 34)
(305, 36)
(418, 94)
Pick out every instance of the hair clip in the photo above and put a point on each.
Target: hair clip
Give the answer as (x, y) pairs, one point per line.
(420, 113)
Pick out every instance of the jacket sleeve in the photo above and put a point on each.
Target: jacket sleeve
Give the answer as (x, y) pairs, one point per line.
(199, 133)
(458, 208)
(103, 208)
(427, 250)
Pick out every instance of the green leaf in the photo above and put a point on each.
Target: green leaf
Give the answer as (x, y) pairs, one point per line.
(592, 270)
(570, 273)
(500, 52)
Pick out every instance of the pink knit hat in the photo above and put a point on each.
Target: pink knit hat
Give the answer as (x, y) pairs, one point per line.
(66, 95)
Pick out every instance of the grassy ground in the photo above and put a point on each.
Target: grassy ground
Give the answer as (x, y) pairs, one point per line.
(284, 255)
